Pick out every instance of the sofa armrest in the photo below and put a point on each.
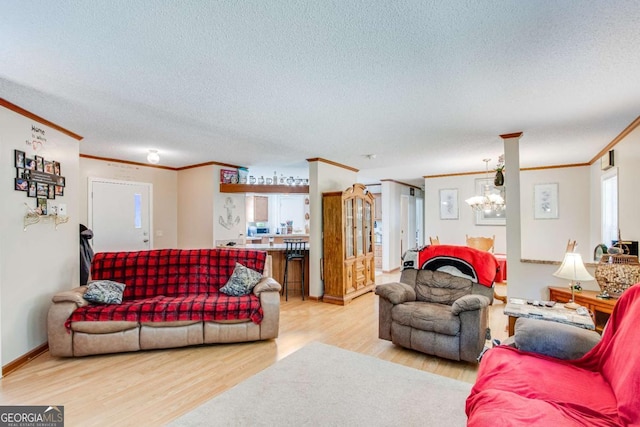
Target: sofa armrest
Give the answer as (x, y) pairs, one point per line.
(266, 284)
(73, 295)
(60, 339)
(553, 339)
(396, 292)
(268, 290)
(471, 302)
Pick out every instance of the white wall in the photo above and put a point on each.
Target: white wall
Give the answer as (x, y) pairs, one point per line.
(40, 261)
(229, 213)
(165, 194)
(392, 249)
(546, 239)
(195, 207)
(323, 177)
(543, 240)
(627, 162)
(454, 231)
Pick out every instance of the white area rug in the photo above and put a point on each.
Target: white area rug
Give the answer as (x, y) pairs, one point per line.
(328, 386)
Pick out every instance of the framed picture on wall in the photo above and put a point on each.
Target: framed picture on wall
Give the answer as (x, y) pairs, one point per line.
(20, 156)
(32, 189)
(39, 163)
(493, 217)
(42, 205)
(448, 203)
(42, 189)
(21, 184)
(545, 201)
(48, 167)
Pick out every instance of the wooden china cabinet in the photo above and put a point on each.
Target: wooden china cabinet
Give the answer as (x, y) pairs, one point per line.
(348, 259)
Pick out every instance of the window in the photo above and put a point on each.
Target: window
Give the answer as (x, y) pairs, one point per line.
(610, 206)
(137, 210)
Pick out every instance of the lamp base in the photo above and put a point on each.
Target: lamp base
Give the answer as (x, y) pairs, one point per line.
(572, 305)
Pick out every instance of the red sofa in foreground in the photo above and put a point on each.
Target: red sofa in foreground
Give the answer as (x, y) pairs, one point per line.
(602, 388)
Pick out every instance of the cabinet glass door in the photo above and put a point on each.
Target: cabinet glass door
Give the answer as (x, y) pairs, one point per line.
(368, 237)
(359, 228)
(348, 228)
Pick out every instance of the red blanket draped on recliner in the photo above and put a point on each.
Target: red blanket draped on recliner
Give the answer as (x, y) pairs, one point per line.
(481, 266)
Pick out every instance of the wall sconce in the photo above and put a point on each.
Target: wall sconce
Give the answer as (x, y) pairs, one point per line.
(153, 157)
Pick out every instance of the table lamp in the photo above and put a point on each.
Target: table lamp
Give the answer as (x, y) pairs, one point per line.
(573, 269)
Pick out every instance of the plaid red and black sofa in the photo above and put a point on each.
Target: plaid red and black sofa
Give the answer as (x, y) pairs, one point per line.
(172, 298)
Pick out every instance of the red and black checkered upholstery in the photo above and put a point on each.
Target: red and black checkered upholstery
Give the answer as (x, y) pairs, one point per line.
(173, 272)
(174, 284)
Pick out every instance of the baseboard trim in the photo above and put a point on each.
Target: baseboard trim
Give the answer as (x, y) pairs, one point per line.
(15, 364)
(316, 299)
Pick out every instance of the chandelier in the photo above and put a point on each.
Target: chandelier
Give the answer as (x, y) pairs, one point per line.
(488, 201)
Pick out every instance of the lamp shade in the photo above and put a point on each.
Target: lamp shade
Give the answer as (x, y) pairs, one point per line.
(572, 268)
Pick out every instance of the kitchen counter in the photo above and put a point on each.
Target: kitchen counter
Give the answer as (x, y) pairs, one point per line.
(286, 236)
(274, 238)
(267, 246)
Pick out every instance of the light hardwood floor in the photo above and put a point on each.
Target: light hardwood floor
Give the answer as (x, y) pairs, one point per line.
(154, 387)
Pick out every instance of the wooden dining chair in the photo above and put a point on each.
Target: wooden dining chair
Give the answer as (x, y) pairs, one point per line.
(434, 240)
(481, 243)
(487, 244)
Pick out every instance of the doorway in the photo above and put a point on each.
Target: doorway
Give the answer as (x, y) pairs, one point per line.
(119, 213)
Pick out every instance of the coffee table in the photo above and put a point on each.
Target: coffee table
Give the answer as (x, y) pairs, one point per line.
(519, 308)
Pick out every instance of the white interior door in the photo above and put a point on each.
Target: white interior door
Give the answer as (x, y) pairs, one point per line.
(120, 215)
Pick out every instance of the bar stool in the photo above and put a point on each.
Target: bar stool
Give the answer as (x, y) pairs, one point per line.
(294, 252)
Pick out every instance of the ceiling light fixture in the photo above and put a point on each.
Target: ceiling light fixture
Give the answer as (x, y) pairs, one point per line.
(488, 201)
(153, 157)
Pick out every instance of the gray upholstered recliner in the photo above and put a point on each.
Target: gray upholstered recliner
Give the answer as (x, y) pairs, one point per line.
(435, 313)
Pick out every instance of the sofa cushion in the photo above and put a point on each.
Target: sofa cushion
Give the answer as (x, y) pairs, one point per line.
(426, 317)
(104, 292)
(440, 287)
(553, 339)
(242, 281)
(173, 272)
(214, 307)
(102, 327)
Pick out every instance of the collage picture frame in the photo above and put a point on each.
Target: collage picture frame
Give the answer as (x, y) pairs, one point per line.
(37, 176)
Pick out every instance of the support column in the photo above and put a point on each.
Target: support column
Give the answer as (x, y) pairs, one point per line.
(511, 143)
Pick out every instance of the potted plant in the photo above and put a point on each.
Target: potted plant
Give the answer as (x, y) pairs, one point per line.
(498, 180)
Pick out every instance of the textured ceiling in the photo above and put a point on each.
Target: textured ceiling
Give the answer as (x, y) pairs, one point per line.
(427, 86)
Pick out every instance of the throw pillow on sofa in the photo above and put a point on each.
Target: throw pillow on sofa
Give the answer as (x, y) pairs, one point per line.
(241, 282)
(104, 292)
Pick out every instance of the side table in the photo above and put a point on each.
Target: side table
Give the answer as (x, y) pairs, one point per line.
(601, 308)
(519, 308)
